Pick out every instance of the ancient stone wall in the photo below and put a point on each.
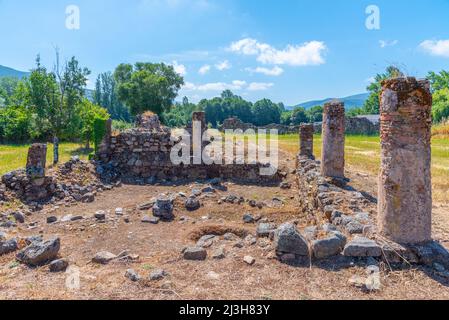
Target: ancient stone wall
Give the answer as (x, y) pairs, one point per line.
(405, 189)
(142, 156)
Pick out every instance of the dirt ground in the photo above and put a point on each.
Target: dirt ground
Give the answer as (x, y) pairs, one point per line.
(159, 247)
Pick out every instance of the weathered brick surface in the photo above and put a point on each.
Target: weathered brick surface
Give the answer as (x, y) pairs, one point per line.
(36, 161)
(405, 190)
(333, 153)
(306, 140)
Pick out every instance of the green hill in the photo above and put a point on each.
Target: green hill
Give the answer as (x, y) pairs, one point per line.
(9, 72)
(350, 102)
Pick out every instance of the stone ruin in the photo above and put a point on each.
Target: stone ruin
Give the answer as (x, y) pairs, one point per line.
(405, 188)
(306, 140)
(32, 184)
(353, 125)
(404, 207)
(333, 152)
(142, 155)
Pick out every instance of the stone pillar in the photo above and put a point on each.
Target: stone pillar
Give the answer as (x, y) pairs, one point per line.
(333, 153)
(306, 140)
(36, 161)
(405, 189)
(105, 146)
(198, 128)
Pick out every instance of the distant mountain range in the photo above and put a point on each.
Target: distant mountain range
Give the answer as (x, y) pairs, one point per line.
(350, 102)
(9, 72)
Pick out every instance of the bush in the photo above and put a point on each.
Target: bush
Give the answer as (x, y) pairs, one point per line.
(99, 130)
(15, 124)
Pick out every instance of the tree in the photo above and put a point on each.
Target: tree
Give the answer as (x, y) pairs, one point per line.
(7, 87)
(440, 108)
(147, 86)
(315, 114)
(105, 95)
(54, 97)
(439, 81)
(371, 105)
(88, 112)
(266, 112)
(299, 116)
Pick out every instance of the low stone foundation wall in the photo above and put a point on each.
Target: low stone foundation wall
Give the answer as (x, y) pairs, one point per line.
(29, 189)
(142, 156)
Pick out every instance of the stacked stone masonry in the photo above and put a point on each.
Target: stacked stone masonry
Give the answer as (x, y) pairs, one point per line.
(142, 156)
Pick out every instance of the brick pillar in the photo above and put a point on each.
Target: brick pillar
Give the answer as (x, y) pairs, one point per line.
(36, 161)
(405, 189)
(306, 140)
(333, 153)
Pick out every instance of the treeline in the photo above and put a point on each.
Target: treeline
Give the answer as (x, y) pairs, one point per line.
(440, 92)
(227, 105)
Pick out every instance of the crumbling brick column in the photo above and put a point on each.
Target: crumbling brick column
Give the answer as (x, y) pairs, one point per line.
(405, 190)
(306, 140)
(333, 153)
(36, 161)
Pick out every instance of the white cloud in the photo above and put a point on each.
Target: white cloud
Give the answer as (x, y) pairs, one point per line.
(275, 71)
(436, 47)
(179, 68)
(204, 69)
(259, 86)
(308, 53)
(225, 65)
(216, 86)
(386, 43)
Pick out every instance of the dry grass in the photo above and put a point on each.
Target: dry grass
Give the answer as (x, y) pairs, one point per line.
(363, 156)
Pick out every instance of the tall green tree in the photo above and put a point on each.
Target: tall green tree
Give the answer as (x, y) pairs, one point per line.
(440, 108)
(105, 95)
(439, 80)
(266, 112)
(147, 86)
(371, 105)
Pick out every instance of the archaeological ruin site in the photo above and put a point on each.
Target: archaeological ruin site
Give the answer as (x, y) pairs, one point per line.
(131, 224)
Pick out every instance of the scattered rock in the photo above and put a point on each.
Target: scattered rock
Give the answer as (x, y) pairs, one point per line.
(288, 240)
(104, 257)
(132, 275)
(331, 246)
(59, 265)
(192, 204)
(151, 220)
(88, 198)
(219, 253)
(285, 185)
(265, 230)
(206, 241)
(52, 219)
(230, 236)
(76, 218)
(19, 217)
(310, 233)
(195, 254)
(249, 260)
(248, 218)
(163, 208)
(119, 211)
(354, 227)
(8, 246)
(157, 275)
(362, 247)
(39, 252)
(100, 215)
(213, 275)
(250, 240)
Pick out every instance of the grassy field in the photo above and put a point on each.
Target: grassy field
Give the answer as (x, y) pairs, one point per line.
(363, 155)
(14, 157)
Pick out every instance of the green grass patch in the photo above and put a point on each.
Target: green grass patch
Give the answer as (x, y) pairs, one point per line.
(13, 157)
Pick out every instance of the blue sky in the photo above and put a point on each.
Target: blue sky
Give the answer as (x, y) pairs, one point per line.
(285, 50)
